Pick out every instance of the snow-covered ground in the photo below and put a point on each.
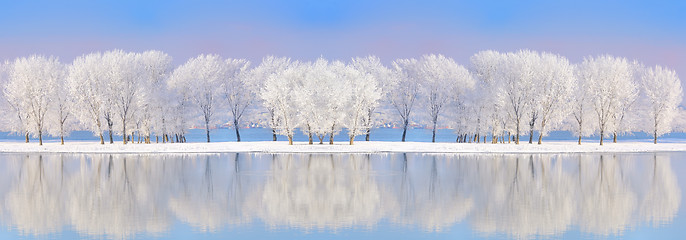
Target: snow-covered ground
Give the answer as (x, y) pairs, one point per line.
(359, 147)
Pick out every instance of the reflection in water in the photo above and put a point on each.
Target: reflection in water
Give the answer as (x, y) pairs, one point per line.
(519, 195)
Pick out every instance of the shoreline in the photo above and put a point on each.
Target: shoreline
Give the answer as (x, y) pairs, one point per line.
(358, 147)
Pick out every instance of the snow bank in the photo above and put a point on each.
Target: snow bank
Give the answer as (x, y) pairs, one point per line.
(359, 147)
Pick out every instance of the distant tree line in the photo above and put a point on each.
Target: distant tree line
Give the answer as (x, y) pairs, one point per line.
(504, 96)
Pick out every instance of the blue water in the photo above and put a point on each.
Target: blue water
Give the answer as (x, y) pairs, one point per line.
(377, 134)
(342, 196)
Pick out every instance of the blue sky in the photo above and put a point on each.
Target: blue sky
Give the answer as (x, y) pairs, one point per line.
(651, 31)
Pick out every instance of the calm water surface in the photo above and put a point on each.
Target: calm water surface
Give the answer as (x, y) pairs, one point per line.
(342, 196)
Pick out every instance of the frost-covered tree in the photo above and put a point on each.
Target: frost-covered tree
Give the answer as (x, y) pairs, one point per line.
(155, 103)
(314, 93)
(15, 119)
(199, 80)
(611, 89)
(307, 93)
(442, 81)
(624, 118)
(88, 90)
(580, 107)
(662, 89)
(484, 105)
(124, 77)
(404, 90)
(554, 90)
(363, 94)
(336, 97)
(383, 76)
(517, 75)
(279, 94)
(258, 76)
(320, 97)
(32, 85)
(61, 120)
(473, 114)
(236, 90)
(180, 113)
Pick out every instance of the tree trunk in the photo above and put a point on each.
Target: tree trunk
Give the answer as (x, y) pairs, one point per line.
(540, 138)
(517, 137)
(309, 136)
(614, 137)
(485, 139)
(238, 134)
(433, 133)
(290, 140)
(601, 136)
(27, 137)
(531, 135)
(40, 137)
(366, 138)
(404, 132)
(61, 133)
(124, 132)
(157, 139)
(321, 139)
(331, 139)
(509, 136)
(111, 139)
(273, 135)
(655, 137)
(102, 140)
(207, 130)
(580, 131)
(351, 139)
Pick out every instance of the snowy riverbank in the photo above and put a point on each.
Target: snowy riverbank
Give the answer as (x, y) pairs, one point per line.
(359, 147)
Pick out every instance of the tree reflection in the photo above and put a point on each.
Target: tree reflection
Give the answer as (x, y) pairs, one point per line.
(34, 205)
(212, 194)
(319, 191)
(523, 196)
(431, 195)
(519, 195)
